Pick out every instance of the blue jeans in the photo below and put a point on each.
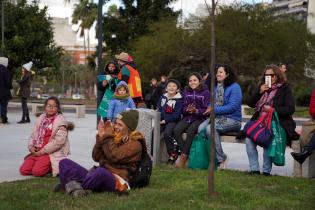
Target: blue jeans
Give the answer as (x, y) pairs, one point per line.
(222, 125)
(252, 153)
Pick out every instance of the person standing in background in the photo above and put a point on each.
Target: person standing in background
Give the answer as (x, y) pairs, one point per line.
(5, 86)
(24, 91)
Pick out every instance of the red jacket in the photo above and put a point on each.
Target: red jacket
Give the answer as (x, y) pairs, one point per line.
(312, 105)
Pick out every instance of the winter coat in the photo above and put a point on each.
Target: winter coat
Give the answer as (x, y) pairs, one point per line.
(232, 103)
(25, 84)
(170, 108)
(58, 146)
(5, 83)
(200, 97)
(117, 106)
(312, 105)
(284, 105)
(111, 86)
(121, 159)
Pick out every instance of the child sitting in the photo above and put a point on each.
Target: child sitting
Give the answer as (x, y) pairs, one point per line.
(170, 105)
(120, 102)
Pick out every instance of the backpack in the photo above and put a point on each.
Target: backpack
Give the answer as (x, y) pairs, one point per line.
(141, 177)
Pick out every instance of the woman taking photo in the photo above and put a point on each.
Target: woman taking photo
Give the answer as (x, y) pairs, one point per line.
(227, 109)
(277, 95)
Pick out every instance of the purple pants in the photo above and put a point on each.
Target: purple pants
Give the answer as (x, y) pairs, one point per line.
(97, 180)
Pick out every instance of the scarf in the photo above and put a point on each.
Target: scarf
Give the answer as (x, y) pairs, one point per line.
(219, 97)
(267, 97)
(121, 97)
(45, 124)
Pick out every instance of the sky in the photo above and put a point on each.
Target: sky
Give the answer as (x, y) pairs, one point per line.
(58, 8)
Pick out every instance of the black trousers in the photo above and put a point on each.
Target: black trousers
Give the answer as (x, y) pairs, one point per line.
(4, 109)
(168, 136)
(311, 144)
(191, 129)
(24, 108)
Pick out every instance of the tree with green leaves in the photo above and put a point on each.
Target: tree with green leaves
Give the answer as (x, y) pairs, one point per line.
(85, 13)
(28, 36)
(132, 21)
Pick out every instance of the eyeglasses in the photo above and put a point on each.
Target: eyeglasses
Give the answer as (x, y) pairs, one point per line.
(51, 106)
(272, 75)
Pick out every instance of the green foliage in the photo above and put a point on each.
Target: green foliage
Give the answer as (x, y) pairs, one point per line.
(28, 37)
(248, 37)
(171, 188)
(131, 21)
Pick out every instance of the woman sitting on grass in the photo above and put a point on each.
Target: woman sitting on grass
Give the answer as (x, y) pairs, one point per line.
(48, 143)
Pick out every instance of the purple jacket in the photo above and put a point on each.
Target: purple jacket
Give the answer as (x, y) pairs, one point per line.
(200, 97)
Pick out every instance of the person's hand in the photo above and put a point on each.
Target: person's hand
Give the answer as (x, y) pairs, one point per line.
(162, 122)
(104, 83)
(104, 128)
(33, 149)
(267, 108)
(36, 154)
(208, 111)
(263, 88)
(194, 110)
(190, 107)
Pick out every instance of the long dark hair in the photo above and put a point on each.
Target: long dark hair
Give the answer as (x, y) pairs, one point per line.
(56, 100)
(231, 76)
(115, 72)
(196, 74)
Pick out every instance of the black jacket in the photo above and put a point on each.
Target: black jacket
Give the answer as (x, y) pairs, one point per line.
(5, 83)
(284, 105)
(25, 85)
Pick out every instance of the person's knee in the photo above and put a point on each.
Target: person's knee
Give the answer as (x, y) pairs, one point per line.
(39, 172)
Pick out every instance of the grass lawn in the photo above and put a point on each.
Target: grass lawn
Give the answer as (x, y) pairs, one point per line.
(172, 188)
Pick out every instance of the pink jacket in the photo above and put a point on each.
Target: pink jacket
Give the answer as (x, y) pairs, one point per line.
(58, 146)
(312, 105)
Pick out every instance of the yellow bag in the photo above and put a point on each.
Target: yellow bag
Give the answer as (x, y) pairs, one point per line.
(308, 130)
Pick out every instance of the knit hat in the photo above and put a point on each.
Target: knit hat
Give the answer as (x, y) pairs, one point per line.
(4, 61)
(173, 81)
(28, 66)
(130, 118)
(123, 57)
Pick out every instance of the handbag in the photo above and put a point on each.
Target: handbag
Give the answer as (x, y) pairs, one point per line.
(308, 130)
(199, 154)
(259, 131)
(278, 142)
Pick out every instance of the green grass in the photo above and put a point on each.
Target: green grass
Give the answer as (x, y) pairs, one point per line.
(172, 188)
(299, 112)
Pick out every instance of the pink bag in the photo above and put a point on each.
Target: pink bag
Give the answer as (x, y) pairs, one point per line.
(259, 131)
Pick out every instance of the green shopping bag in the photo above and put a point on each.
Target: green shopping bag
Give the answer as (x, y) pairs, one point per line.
(199, 154)
(278, 142)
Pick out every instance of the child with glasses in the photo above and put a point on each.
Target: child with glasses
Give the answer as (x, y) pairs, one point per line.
(48, 143)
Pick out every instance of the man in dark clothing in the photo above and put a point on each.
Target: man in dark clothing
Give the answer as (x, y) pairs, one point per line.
(160, 90)
(5, 86)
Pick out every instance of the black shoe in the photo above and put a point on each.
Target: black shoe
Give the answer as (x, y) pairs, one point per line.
(5, 121)
(254, 173)
(27, 120)
(22, 121)
(266, 174)
(58, 188)
(300, 157)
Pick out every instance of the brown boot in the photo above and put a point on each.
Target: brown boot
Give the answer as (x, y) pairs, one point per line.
(182, 161)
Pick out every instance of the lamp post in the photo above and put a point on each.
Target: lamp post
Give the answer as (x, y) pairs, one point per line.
(99, 50)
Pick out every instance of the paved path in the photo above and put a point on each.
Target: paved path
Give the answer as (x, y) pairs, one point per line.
(14, 138)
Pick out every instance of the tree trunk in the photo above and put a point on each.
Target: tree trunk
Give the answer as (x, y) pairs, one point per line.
(211, 188)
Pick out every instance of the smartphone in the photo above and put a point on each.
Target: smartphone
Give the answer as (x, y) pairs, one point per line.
(268, 81)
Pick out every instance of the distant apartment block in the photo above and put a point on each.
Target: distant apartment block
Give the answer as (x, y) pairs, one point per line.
(68, 37)
(298, 8)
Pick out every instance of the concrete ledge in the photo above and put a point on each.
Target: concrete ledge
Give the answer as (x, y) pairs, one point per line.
(38, 107)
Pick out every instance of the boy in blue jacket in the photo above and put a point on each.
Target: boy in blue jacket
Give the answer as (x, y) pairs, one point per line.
(120, 102)
(170, 105)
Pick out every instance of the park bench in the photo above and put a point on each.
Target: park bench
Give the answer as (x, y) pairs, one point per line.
(38, 107)
(149, 125)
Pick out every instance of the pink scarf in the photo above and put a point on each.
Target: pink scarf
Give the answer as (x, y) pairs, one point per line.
(45, 124)
(267, 97)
